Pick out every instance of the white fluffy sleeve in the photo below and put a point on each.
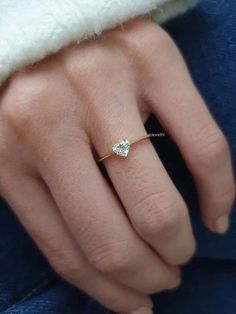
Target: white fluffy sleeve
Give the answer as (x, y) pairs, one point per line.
(32, 29)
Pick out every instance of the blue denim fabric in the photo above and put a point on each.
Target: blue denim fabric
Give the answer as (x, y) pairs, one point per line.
(207, 38)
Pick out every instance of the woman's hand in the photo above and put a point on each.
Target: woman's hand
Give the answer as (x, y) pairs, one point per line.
(56, 119)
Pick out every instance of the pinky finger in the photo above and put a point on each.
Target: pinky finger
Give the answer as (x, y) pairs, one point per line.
(37, 211)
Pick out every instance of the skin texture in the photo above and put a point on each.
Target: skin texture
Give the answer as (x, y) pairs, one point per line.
(119, 244)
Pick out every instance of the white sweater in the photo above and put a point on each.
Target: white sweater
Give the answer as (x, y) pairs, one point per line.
(33, 29)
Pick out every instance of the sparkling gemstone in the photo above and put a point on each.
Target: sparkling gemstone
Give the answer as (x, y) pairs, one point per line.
(122, 148)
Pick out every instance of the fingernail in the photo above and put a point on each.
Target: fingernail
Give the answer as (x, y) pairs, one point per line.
(143, 310)
(175, 284)
(221, 225)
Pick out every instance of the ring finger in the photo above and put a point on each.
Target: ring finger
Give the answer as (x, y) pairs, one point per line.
(97, 220)
(156, 209)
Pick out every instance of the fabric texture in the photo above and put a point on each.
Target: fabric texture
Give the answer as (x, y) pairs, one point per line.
(32, 29)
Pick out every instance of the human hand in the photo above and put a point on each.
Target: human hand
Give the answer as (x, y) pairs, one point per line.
(117, 245)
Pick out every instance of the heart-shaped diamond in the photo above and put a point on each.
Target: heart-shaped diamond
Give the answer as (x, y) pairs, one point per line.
(122, 148)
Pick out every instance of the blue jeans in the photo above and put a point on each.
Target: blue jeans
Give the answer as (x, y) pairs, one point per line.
(207, 38)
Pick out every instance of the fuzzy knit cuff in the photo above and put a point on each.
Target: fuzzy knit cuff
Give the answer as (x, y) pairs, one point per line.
(32, 29)
(172, 9)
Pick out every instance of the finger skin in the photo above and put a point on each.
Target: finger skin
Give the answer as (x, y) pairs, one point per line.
(155, 208)
(118, 119)
(155, 75)
(54, 134)
(169, 93)
(99, 224)
(45, 121)
(184, 115)
(38, 213)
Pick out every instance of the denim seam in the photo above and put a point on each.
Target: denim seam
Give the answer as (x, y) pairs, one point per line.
(32, 292)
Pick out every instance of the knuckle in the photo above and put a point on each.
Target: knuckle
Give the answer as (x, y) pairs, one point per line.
(16, 112)
(162, 46)
(157, 215)
(112, 264)
(66, 263)
(216, 147)
(154, 34)
(163, 224)
(22, 102)
(212, 147)
(28, 88)
(163, 40)
(111, 259)
(93, 62)
(70, 271)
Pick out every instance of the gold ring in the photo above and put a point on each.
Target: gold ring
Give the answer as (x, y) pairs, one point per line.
(122, 149)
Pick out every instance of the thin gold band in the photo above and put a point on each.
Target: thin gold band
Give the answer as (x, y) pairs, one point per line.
(133, 143)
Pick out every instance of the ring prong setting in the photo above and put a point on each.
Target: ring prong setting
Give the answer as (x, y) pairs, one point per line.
(122, 148)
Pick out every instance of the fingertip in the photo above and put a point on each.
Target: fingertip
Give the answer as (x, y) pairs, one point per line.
(219, 225)
(175, 284)
(143, 309)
